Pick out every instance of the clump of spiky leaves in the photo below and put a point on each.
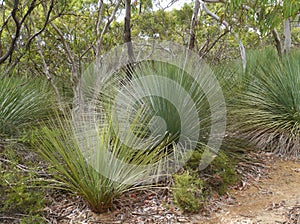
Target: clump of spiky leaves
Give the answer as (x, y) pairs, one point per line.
(268, 112)
(173, 100)
(90, 161)
(181, 105)
(22, 103)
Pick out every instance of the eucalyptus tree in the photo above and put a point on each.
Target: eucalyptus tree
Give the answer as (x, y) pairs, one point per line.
(194, 22)
(267, 16)
(17, 32)
(76, 39)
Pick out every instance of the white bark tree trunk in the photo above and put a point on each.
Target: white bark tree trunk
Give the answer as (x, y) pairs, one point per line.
(236, 36)
(287, 36)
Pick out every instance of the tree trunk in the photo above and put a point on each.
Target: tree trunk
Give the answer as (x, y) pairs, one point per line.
(100, 34)
(127, 38)
(226, 24)
(194, 23)
(277, 42)
(287, 36)
(48, 74)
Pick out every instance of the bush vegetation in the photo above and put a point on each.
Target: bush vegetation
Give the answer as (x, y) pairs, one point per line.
(263, 110)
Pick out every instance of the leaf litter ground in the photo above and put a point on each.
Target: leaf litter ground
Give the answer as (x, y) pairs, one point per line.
(269, 192)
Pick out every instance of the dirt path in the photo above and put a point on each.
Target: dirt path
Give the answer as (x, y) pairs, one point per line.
(272, 196)
(272, 199)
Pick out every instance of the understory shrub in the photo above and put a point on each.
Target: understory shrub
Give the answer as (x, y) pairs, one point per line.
(94, 153)
(189, 192)
(22, 196)
(220, 174)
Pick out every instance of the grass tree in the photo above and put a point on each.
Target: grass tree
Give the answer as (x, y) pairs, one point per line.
(268, 111)
(137, 131)
(22, 104)
(88, 160)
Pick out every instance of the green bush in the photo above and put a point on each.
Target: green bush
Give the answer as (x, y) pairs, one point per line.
(219, 175)
(94, 154)
(148, 78)
(189, 193)
(223, 173)
(20, 190)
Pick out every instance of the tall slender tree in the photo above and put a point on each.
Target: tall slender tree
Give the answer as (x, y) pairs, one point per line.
(127, 37)
(194, 22)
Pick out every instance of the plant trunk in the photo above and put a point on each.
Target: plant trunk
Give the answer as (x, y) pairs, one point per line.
(194, 23)
(287, 36)
(127, 38)
(277, 42)
(243, 55)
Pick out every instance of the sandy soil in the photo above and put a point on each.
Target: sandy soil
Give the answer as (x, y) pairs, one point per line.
(271, 195)
(272, 199)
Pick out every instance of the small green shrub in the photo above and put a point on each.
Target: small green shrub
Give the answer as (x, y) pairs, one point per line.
(223, 173)
(189, 193)
(219, 175)
(20, 192)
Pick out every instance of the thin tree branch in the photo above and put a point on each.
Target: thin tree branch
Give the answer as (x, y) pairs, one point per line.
(18, 24)
(17, 32)
(214, 43)
(277, 42)
(228, 27)
(44, 26)
(99, 17)
(105, 28)
(47, 73)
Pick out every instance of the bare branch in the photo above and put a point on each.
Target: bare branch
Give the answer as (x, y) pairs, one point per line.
(5, 23)
(287, 36)
(214, 43)
(18, 24)
(105, 28)
(99, 17)
(194, 23)
(17, 32)
(47, 73)
(30, 9)
(66, 46)
(226, 24)
(44, 26)
(214, 16)
(127, 29)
